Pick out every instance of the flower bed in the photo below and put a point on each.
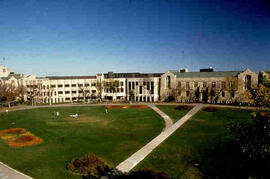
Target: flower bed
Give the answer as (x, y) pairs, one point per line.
(210, 109)
(19, 137)
(126, 106)
(181, 107)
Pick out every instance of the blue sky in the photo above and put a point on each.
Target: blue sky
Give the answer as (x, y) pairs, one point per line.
(71, 37)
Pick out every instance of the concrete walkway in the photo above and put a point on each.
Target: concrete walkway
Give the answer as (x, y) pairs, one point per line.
(167, 119)
(133, 160)
(9, 173)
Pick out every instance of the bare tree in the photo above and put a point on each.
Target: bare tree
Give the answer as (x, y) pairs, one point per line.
(85, 92)
(21, 92)
(33, 92)
(100, 87)
(8, 92)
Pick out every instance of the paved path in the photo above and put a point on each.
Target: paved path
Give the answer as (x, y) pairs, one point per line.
(25, 107)
(133, 160)
(9, 173)
(167, 119)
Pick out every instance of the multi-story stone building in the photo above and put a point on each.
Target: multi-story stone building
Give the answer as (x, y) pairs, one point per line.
(182, 86)
(207, 85)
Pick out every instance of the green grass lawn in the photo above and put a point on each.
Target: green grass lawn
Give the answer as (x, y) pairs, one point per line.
(183, 155)
(174, 114)
(113, 136)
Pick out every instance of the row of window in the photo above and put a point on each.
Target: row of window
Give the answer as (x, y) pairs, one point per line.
(196, 84)
(118, 90)
(110, 83)
(145, 85)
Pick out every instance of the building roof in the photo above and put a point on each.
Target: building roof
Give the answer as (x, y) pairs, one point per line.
(70, 77)
(206, 74)
(131, 75)
(17, 76)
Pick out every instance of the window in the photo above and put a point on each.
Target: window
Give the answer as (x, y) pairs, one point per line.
(204, 84)
(121, 83)
(80, 91)
(66, 85)
(213, 84)
(148, 85)
(73, 85)
(60, 86)
(248, 82)
(80, 85)
(122, 90)
(187, 93)
(53, 86)
(223, 94)
(169, 82)
(133, 85)
(74, 92)
(86, 84)
(140, 90)
(67, 92)
(60, 92)
(67, 99)
(137, 83)
(152, 87)
(187, 85)
(195, 84)
(93, 84)
(129, 85)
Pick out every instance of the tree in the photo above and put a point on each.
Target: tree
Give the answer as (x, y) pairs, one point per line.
(100, 87)
(8, 92)
(174, 93)
(264, 81)
(231, 85)
(259, 96)
(253, 141)
(132, 95)
(253, 137)
(34, 91)
(85, 91)
(21, 92)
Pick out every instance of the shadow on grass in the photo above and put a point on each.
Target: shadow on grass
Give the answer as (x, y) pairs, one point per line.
(227, 161)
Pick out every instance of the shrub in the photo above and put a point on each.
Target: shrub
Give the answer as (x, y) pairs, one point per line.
(210, 109)
(181, 107)
(88, 165)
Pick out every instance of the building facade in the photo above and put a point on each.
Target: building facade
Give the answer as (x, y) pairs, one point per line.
(207, 85)
(181, 86)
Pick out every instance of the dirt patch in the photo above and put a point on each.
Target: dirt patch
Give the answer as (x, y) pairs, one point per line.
(126, 106)
(83, 119)
(210, 109)
(181, 107)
